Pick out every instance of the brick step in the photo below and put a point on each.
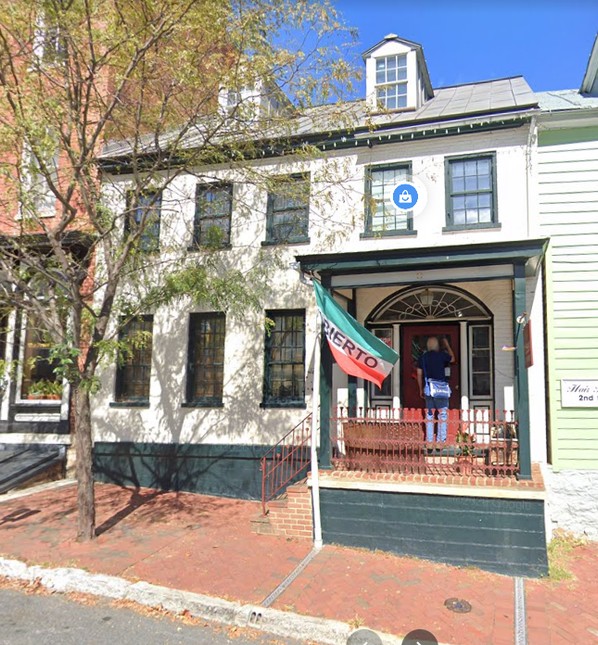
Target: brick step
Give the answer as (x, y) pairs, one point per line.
(279, 502)
(289, 515)
(262, 525)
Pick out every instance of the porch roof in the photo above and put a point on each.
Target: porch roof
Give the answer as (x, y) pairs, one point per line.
(522, 252)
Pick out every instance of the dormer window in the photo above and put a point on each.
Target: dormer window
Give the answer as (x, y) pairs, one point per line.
(396, 76)
(391, 81)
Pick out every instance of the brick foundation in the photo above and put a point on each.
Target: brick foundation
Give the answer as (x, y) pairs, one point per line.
(535, 483)
(290, 515)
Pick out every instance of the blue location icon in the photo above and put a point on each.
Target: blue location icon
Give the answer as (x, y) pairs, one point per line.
(405, 196)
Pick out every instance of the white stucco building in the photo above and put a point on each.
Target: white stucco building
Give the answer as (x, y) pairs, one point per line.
(199, 406)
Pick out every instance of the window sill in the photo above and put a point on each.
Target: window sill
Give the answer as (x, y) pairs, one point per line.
(202, 404)
(298, 405)
(129, 404)
(198, 248)
(486, 226)
(39, 402)
(372, 235)
(290, 242)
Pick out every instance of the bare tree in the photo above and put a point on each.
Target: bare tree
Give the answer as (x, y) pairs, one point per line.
(156, 89)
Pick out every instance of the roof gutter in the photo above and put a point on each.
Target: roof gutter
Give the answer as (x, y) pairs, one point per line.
(452, 126)
(346, 139)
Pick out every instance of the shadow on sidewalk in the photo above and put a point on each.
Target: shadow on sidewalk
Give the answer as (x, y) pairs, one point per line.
(136, 500)
(18, 514)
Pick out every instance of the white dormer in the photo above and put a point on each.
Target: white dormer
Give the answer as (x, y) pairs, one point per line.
(248, 103)
(396, 75)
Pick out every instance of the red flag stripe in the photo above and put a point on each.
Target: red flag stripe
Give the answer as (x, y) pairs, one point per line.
(351, 366)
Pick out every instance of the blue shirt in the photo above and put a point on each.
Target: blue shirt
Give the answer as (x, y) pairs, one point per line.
(435, 364)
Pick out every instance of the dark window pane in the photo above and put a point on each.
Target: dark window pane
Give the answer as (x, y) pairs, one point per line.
(213, 207)
(133, 373)
(288, 210)
(481, 361)
(481, 336)
(481, 384)
(146, 215)
(205, 365)
(284, 374)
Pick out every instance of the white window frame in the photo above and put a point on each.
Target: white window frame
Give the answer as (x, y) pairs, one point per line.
(481, 397)
(43, 200)
(384, 89)
(44, 36)
(19, 400)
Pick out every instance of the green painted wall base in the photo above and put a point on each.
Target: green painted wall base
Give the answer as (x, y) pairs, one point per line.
(225, 470)
(505, 536)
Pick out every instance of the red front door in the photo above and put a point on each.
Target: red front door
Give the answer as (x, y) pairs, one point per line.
(413, 344)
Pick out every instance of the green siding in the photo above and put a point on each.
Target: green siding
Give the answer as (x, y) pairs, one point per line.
(568, 213)
(225, 470)
(506, 536)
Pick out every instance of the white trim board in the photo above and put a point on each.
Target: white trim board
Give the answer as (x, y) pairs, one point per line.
(463, 274)
(432, 489)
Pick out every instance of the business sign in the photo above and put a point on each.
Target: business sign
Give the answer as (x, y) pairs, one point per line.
(410, 195)
(579, 393)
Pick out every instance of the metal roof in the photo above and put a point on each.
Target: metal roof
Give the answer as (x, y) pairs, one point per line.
(498, 96)
(565, 100)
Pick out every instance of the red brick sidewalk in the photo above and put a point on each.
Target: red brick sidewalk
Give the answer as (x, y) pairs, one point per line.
(205, 544)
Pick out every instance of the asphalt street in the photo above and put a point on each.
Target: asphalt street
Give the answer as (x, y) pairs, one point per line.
(37, 619)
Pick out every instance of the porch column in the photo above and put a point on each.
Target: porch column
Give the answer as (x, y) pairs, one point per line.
(521, 381)
(352, 380)
(325, 389)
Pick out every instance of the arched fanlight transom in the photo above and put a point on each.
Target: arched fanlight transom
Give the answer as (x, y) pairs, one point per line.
(429, 303)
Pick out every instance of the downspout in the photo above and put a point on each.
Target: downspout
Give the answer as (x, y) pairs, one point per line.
(529, 184)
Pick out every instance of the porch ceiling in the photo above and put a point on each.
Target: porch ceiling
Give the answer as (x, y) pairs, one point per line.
(523, 252)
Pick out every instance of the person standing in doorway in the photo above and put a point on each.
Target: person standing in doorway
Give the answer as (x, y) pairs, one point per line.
(432, 365)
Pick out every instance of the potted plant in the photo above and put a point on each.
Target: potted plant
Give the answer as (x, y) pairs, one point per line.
(45, 389)
(466, 452)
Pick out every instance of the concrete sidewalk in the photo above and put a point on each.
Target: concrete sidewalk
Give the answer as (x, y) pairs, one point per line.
(205, 545)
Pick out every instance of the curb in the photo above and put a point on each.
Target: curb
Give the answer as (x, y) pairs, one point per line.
(272, 621)
(38, 488)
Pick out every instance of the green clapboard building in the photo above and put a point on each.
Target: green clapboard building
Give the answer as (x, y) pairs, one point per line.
(567, 207)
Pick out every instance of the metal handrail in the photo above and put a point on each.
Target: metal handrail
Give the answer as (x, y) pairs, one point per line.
(285, 461)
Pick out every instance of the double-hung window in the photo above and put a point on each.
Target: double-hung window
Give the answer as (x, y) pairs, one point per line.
(39, 378)
(284, 373)
(205, 362)
(391, 81)
(471, 192)
(213, 207)
(382, 216)
(288, 210)
(134, 367)
(143, 217)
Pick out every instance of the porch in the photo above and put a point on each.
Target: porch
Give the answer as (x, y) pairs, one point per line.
(478, 298)
(475, 498)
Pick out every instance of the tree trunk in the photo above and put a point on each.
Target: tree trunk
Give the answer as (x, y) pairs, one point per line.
(86, 524)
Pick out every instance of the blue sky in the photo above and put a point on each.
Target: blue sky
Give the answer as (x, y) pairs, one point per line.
(547, 41)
